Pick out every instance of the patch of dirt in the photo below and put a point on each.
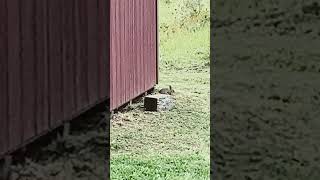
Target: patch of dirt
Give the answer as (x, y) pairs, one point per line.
(81, 155)
(266, 119)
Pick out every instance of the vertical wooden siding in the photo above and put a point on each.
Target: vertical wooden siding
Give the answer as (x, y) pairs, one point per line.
(53, 64)
(133, 58)
(3, 76)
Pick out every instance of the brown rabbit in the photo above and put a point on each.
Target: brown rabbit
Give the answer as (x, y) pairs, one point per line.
(169, 91)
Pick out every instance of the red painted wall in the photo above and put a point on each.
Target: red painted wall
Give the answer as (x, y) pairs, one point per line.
(53, 64)
(58, 58)
(133, 55)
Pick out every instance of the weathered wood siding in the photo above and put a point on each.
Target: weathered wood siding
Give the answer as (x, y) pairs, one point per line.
(53, 64)
(58, 58)
(133, 56)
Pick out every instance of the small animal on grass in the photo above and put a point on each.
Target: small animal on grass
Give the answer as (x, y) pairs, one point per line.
(169, 90)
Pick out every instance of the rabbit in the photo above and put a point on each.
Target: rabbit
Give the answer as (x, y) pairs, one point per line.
(169, 91)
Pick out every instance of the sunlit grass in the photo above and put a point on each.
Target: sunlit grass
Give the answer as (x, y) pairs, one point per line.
(186, 50)
(175, 167)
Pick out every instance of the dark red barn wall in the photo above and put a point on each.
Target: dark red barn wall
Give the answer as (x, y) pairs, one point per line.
(3, 76)
(53, 64)
(58, 58)
(133, 55)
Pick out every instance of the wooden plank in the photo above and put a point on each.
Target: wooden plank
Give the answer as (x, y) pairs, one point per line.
(83, 60)
(76, 45)
(126, 67)
(117, 55)
(28, 69)
(67, 59)
(93, 88)
(141, 35)
(120, 80)
(150, 43)
(45, 101)
(152, 35)
(73, 56)
(133, 45)
(150, 59)
(123, 53)
(54, 62)
(123, 79)
(157, 40)
(136, 47)
(147, 44)
(130, 46)
(3, 77)
(153, 42)
(140, 40)
(108, 44)
(39, 78)
(64, 59)
(117, 95)
(70, 58)
(113, 48)
(96, 50)
(104, 62)
(146, 48)
(140, 56)
(100, 47)
(60, 63)
(14, 74)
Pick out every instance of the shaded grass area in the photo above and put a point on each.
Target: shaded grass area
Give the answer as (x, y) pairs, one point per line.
(174, 144)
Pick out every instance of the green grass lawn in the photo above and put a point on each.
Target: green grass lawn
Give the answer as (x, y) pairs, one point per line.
(175, 144)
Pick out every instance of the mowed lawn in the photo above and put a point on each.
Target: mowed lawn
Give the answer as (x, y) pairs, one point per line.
(175, 144)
